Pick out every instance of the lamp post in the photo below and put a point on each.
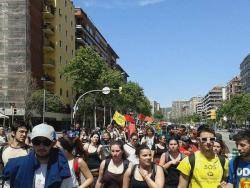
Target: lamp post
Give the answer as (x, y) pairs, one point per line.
(105, 91)
(44, 97)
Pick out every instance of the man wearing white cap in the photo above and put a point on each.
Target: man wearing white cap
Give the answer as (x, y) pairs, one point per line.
(43, 167)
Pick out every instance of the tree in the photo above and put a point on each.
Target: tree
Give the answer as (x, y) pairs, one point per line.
(53, 102)
(158, 115)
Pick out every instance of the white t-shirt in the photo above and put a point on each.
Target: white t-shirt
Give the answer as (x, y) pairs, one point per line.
(11, 152)
(39, 176)
(130, 151)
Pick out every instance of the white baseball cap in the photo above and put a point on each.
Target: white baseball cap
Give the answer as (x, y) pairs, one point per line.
(43, 130)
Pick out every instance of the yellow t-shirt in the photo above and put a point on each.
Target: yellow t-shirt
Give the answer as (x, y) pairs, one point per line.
(206, 173)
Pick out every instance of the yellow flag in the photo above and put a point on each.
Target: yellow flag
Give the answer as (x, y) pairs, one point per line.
(119, 119)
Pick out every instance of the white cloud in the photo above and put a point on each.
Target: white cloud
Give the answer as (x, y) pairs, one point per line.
(117, 3)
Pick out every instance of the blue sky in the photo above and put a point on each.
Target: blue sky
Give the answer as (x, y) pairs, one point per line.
(175, 49)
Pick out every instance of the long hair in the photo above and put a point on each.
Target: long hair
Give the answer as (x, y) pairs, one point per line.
(120, 144)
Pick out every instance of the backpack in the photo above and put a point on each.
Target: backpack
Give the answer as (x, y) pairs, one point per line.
(235, 166)
(77, 169)
(191, 160)
(107, 161)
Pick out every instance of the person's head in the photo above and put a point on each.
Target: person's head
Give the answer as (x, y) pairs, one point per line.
(206, 137)
(134, 139)
(144, 154)
(242, 140)
(19, 132)
(182, 130)
(2, 133)
(162, 139)
(109, 128)
(95, 138)
(217, 148)
(117, 151)
(77, 126)
(173, 145)
(150, 131)
(163, 127)
(42, 138)
(185, 141)
(106, 136)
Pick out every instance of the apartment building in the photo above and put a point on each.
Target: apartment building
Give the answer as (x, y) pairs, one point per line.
(233, 87)
(58, 46)
(88, 34)
(245, 74)
(213, 99)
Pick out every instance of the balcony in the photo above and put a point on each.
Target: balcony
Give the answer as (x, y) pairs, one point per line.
(47, 79)
(80, 40)
(48, 45)
(48, 12)
(79, 27)
(48, 28)
(49, 63)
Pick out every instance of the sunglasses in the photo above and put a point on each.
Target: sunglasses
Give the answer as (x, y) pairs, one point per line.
(45, 142)
(205, 139)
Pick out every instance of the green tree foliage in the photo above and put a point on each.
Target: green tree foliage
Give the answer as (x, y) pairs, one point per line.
(158, 115)
(88, 71)
(53, 103)
(237, 109)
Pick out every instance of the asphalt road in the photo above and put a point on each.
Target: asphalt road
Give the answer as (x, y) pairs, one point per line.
(230, 144)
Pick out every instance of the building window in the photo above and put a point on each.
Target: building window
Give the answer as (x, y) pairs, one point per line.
(60, 59)
(66, 33)
(66, 48)
(59, 12)
(67, 93)
(71, 37)
(71, 23)
(60, 28)
(60, 43)
(60, 76)
(65, 3)
(61, 91)
(72, 52)
(66, 18)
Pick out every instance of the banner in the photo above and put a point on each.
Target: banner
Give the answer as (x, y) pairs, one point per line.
(119, 119)
(129, 119)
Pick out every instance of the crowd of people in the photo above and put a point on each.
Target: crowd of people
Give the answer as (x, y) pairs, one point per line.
(174, 156)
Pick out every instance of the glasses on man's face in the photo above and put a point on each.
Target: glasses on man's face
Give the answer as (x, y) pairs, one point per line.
(45, 142)
(205, 139)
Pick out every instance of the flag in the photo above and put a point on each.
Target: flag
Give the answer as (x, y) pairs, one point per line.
(119, 119)
(129, 119)
(131, 128)
(149, 119)
(141, 117)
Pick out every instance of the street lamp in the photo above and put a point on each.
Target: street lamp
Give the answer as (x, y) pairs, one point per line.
(105, 91)
(44, 95)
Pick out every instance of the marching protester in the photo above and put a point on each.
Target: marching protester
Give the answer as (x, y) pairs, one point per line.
(92, 154)
(112, 169)
(17, 146)
(203, 168)
(187, 148)
(44, 166)
(149, 139)
(77, 165)
(160, 148)
(239, 167)
(220, 148)
(146, 174)
(130, 149)
(169, 162)
(105, 143)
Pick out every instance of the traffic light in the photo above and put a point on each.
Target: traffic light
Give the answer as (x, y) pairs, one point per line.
(120, 90)
(213, 114)
(14, 111)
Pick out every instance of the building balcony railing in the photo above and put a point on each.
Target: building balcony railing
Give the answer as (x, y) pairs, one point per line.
(48, 45)
(49, 63)
(80, 40)
(48, 11)
(48, 28)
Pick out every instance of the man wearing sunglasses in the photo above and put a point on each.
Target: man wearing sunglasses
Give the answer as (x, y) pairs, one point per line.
(203, 168)
(45, 166)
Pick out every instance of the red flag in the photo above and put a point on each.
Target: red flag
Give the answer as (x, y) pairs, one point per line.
(131, 128)
(149, 119)
(129, 118)
(141, 117)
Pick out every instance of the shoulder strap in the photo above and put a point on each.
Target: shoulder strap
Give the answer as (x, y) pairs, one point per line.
(154, 171)
(107, 161)
(235, 166)
(76, 169)
(191, 160)
(222, 162)
(125, 165)
(166, 156)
